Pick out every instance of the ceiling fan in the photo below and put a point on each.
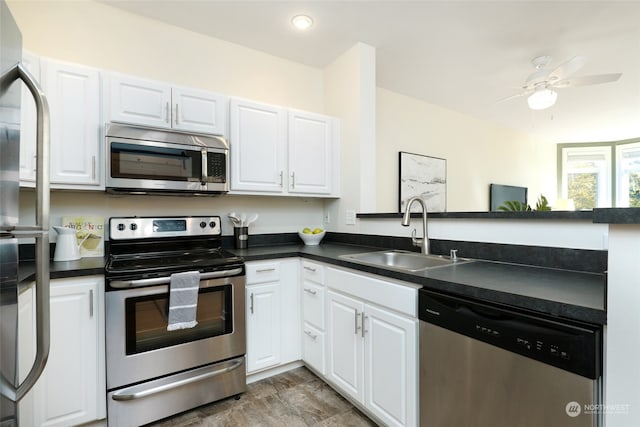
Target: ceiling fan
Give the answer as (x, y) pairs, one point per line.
(539, 88)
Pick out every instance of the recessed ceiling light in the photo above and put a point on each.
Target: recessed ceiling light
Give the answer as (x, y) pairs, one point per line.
(302, 22)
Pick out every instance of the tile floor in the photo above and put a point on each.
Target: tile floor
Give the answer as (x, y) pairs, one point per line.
(294, 398)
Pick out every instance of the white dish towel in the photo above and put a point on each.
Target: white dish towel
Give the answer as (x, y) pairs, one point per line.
(183, 300)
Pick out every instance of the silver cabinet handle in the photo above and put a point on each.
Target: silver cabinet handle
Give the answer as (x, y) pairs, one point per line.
(251, 306)
(355, 318)
(93, 168)
(363, 330)
(90, 303)
(310, 335)
(177, 115)
(138, 392)
(313, 270)
(310, 291)
(168, 111)
(265, 270)
(281, 178)
(293, 179)
(40, 230)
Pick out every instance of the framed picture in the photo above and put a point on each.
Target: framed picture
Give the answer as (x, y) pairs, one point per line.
(425, 177)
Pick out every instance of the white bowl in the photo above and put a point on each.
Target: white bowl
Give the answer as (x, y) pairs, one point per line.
(311, 239)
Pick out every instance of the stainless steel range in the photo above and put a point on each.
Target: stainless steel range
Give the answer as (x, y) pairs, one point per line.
(154, 372)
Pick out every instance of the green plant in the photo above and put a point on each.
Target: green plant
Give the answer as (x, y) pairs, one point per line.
(542, 204)
(514, 205)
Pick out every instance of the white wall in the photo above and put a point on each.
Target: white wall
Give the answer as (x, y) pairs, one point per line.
(478, 153)
(101, 36)
(622, 376)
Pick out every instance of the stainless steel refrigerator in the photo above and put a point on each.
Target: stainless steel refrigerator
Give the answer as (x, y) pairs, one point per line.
(13, 79)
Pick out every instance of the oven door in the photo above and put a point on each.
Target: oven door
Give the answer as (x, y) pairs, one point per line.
(160, 166)
(140, 348)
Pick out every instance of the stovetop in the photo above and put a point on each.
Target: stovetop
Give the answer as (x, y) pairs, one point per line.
(152, 247)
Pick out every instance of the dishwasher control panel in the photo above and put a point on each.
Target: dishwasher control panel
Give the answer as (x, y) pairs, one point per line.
(572, 346)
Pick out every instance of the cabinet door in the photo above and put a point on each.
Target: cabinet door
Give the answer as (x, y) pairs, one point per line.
(139, 101)
(71, 390)
(310, 153)
(74, 99)
(26, 349)
(28, 125)
(391, 366)
(258, 138)
(263, 326)
(345, 367)
(199, 111)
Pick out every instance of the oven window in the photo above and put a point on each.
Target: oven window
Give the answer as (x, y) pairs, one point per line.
(146, 320)
(148, 162)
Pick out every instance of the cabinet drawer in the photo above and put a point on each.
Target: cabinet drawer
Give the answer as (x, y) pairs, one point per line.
(313, 352)
(395, 296)
(313, 272)
(262, 272)
(313, 304)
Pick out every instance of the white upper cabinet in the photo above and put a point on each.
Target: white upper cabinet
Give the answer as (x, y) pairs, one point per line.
(310, 153)
(199, 111)
(73, 92)
(258, 141)
(139, 101)
(282, 152)
(157, 104)
(28, 124)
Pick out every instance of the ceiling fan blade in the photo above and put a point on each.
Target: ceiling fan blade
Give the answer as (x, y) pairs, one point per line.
(588, 80)
(567, 68)
(517, 95)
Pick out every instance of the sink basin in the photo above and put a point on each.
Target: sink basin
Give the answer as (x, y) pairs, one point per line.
(402, 260)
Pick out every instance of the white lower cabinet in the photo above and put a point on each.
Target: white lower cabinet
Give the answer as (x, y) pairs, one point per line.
(273, 314)
(372, 353)
(71, 390)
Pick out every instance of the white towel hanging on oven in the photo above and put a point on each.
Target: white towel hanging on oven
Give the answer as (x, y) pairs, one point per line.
(183, 300)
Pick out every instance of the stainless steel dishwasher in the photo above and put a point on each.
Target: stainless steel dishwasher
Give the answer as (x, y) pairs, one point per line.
(485, 365)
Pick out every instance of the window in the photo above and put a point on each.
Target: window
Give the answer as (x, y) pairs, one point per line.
(586, 177)
(628, 168)
(600, 175)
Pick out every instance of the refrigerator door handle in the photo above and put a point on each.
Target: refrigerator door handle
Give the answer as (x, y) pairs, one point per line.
(43, 137)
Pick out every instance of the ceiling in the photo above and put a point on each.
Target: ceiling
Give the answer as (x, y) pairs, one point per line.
(461, 55)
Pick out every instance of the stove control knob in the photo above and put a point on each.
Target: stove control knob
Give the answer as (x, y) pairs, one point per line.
(121, 227)
(133, 227)
(203, 224)
(212, 224)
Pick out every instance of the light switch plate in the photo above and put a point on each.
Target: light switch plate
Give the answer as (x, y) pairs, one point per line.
(350, 217)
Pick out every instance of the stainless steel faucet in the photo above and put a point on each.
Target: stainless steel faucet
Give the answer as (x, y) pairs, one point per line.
(423, 243)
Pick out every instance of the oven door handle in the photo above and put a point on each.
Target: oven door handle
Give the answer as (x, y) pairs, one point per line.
(124, 395)
(127, 284)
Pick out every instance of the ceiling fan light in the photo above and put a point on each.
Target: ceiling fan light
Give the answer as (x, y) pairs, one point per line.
(542, 98)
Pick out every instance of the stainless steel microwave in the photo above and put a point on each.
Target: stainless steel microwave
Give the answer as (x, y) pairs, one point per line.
(144, 160)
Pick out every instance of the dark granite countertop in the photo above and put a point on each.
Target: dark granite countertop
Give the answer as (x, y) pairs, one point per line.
(563, 293)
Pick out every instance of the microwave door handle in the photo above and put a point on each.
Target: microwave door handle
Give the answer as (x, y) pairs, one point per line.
(204, 167)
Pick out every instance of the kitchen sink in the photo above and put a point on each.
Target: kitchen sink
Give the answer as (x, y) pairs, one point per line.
(402, 260)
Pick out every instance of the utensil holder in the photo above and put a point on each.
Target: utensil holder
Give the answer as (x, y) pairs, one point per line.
(241, 237)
